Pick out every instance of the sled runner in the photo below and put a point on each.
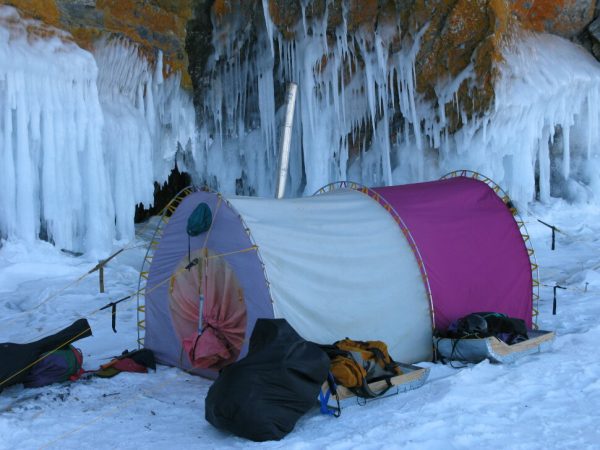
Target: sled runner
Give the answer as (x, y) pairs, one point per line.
(413, 377)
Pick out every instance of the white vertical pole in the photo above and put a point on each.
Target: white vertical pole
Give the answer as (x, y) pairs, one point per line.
(286, 138)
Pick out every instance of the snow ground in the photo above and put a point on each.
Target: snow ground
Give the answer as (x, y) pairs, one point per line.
(547, 400)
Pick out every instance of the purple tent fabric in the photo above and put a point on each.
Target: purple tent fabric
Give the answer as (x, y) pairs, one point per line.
(471, 247)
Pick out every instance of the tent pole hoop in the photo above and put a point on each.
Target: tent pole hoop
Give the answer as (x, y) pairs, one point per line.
(167, 212)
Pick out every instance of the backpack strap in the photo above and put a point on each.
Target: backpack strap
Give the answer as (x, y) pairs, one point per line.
(391, 366)
(324, 398)
(364, 390)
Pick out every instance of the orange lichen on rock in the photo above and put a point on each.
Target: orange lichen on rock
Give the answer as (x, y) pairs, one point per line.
(563, 17)
(285, 15)
(222, 8)
(535, 14)
(458, 35)
(41, 27)
(153, 25)
(44, 10)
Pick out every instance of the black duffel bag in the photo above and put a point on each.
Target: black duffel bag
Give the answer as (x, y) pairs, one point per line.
(484, 324)
(262, 396)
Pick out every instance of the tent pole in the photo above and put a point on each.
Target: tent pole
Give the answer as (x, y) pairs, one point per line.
(286, 138)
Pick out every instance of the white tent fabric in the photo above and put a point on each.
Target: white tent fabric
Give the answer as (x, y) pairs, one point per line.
(339, 266)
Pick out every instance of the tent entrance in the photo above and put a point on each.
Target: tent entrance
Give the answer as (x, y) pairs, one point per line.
(208, 310)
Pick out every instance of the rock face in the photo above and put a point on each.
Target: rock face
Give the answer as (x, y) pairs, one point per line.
(566, 18)
(459, 32)
(386, 78)
(153, 24)
(590, 37)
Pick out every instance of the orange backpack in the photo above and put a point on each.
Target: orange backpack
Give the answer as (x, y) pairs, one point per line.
(355, 364)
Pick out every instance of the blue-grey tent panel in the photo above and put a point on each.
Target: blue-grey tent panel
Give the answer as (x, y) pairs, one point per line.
(227, 237)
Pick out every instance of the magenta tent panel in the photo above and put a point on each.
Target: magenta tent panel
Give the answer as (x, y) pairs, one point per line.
(471, 247)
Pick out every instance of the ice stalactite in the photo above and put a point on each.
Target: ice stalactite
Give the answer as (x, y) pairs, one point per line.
(83, 136)
(350, 91)
(149, 122)
(360, 117)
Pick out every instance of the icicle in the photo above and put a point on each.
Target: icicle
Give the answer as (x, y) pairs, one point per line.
(544, 165)
(566, 168)
(269, 26)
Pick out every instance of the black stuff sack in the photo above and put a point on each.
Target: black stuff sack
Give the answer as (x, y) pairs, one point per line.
(485, 324)
(262, 396)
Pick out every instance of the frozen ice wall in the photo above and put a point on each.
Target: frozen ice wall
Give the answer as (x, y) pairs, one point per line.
(149, 122)
(546, 121)
(542, 137)
(82, 137)
(341, 125)
(53, 176)
(359, 116)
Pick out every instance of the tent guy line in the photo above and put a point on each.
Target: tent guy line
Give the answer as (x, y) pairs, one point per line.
(131, 295)
(75, 282)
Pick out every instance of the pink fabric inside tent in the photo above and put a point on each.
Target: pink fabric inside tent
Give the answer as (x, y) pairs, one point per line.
(223, 318)
(471, 247)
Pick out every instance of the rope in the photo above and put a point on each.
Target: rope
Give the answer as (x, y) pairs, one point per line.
(129, 246)
(52, 297)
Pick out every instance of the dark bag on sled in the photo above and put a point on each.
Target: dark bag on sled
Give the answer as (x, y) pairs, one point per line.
(262, 396)
(355, 364)
(485, 324)
(17, 359)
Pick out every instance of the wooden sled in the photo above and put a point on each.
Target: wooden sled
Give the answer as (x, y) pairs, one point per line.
(412, 377)
(492, 348)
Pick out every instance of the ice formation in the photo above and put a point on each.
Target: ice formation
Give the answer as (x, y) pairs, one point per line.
(85, 135)
(52, 169)
(544, 124)
(82, 137)
(546, 121)
(149, 122)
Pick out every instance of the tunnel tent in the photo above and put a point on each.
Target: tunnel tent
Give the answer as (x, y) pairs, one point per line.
(386, 263)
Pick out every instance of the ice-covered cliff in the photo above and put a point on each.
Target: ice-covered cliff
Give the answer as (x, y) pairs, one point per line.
(84, 134)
